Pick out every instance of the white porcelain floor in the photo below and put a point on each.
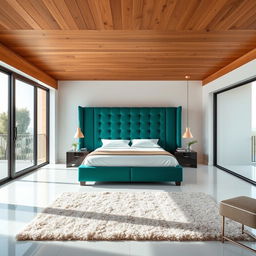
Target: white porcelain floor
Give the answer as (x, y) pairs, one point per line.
(248, 171)
(22, 199)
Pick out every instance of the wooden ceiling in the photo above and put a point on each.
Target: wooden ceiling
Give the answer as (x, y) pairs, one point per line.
(129, 39)
(128, 14)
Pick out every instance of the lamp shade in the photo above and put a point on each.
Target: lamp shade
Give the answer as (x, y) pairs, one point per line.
(79, 134)
(187, 134)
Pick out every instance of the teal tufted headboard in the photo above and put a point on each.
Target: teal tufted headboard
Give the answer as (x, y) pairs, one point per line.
(130, 123)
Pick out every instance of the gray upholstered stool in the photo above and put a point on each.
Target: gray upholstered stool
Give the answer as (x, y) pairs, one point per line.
(241, 209)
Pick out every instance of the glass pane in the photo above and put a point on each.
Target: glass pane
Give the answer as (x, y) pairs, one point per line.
(4, 80)
(236, 130)
(24, 102)
(41, 126)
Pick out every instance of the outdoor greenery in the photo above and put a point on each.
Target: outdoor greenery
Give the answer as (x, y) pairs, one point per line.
(3, 123)
(22, 121)
(24, 143)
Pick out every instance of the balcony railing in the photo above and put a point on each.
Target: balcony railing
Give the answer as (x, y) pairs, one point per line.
(3, 146)
(24, 146)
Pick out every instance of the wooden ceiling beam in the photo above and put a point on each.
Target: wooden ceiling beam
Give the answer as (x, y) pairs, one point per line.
(230, 67)
(16, 61)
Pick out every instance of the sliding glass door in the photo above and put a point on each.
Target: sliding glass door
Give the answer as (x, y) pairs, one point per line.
(24, 130)
(235, 130)
(42, 126)
(24, 125)
(4, 126)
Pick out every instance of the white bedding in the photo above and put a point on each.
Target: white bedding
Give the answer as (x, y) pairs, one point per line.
(130, 160)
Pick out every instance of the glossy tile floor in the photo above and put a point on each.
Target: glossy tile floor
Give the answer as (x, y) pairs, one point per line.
(20, 165)
(248, 171)
(22, 199)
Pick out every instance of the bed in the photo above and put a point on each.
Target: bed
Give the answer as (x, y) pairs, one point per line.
(99, 123)
(133, 156)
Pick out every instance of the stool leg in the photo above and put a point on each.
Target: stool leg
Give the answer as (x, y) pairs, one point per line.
(242, 228)
(223, 229)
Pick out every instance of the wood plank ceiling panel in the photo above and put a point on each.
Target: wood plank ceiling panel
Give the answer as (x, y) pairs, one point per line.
(128, 55)
(106, 14)
(116, 10)
(129, 39)
(129, 14)
(39, 12)
(56, 13)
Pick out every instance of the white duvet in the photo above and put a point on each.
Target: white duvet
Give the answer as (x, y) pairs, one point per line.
(130, 160)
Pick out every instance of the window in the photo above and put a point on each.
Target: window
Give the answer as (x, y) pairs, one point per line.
(4, 123)
(235, 126)
(24, 122)
(24, 126)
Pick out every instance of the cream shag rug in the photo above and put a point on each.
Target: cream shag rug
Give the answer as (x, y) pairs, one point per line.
(174, 216)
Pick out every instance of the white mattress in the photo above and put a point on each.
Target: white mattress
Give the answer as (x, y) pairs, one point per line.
(130, 160)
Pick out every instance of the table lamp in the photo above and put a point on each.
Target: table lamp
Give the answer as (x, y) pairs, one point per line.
(79, 135)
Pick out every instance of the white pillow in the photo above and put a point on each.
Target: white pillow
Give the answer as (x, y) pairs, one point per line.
(145, 143)
(115, 143)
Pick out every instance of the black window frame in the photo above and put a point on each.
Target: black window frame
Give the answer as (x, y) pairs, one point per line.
(13, 76)
(215, 135)
(4, 180)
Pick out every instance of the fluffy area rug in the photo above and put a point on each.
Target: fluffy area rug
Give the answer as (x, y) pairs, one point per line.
(173, 216)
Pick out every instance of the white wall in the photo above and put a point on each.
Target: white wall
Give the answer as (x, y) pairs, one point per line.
(71, 94)
(234, 131)
(243, 73)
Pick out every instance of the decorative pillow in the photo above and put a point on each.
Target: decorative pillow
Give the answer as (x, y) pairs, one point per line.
(115, 143)
(145, 143)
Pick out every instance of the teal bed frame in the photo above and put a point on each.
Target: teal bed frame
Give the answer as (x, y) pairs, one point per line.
(130, 123)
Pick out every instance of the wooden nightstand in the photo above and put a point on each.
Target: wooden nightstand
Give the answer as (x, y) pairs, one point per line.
(187, 159)
(75, 158)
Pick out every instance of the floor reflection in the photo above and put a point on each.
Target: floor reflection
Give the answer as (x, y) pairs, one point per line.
(10, 247)
(248, 171)
(22, 199)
